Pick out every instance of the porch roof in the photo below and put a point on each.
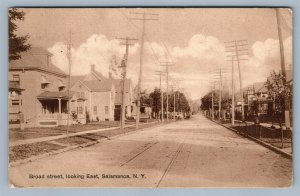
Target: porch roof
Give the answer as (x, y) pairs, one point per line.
(55, 95)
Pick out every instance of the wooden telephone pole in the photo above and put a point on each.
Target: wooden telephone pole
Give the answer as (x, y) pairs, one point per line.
(160, 73)
(124, 66)
(145, 16)
(167, 64)
(283, 71)
(69, 56)
(236, 50)
(174, 109)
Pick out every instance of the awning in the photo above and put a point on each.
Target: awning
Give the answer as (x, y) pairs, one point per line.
(61, 84)
(45, 81)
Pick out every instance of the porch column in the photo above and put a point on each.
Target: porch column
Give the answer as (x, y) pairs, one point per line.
(59, 106)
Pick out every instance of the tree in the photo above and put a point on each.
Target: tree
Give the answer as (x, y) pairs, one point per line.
(156, 101)
(17, 44)
(277, 91)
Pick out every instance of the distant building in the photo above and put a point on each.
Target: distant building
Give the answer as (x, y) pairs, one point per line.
(99, 93)
(257, 99)
(42, 95)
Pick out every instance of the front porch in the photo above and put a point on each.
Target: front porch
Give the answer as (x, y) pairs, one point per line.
(55, 107)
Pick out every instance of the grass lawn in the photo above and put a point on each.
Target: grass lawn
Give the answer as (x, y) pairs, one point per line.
(27, 150)
(36, 132)
(271, 136)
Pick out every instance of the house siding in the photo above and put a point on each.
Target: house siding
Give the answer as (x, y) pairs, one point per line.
(30, 81)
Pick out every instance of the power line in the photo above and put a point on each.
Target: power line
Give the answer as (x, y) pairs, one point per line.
(146, 37)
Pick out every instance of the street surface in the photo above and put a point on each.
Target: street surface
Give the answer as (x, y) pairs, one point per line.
(190, 153)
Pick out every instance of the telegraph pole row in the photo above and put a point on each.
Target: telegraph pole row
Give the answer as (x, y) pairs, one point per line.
(144, 16)
(236, 50)
(167, 64)
(124, 66)
(219, 75)
(160, 73)
(212, 99)
(172, 86)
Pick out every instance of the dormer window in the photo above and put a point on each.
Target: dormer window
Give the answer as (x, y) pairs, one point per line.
(61, 85)
(44, 82)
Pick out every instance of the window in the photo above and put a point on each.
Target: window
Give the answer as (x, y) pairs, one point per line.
(80, 94)
(61, 88)
(106, 109)
(44, 86)
(16, 78)
(95, 110)
(61, 85)
(44, 82)
(15, 102)
(80, 110)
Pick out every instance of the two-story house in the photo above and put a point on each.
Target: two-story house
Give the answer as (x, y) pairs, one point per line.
(44, 99)
(99, 93)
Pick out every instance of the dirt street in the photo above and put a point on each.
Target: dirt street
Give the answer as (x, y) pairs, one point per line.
(190, 153)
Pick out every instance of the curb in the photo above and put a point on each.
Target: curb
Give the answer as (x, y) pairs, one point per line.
(269, 146)
(69, 148)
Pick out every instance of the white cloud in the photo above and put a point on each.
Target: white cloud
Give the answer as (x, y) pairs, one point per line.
(96, 50)
(194, 63)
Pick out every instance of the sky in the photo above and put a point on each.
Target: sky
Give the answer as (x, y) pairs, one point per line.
(192, 38)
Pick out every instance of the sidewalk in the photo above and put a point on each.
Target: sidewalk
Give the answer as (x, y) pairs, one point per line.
(43, 139)
(287, 152)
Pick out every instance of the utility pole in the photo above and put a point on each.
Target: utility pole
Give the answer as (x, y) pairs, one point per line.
(219, 77)
(220, 94)
(237, 49)
(145, 16)
(160, 73)
(69, 56)
(167, 64)
(232, 98)
(124, 66)
(283, 71)
(212, 101)
(174, 110)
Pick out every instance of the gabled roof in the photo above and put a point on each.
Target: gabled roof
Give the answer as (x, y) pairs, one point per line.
(101, 84)
(118, 85)
(259, 87)
(36, 58)
(96, 85)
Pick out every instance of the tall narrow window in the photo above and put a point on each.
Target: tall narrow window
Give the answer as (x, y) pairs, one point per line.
(106, 109)
(95, 110)
(44, 82)
(16, 78)
(80, 110)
